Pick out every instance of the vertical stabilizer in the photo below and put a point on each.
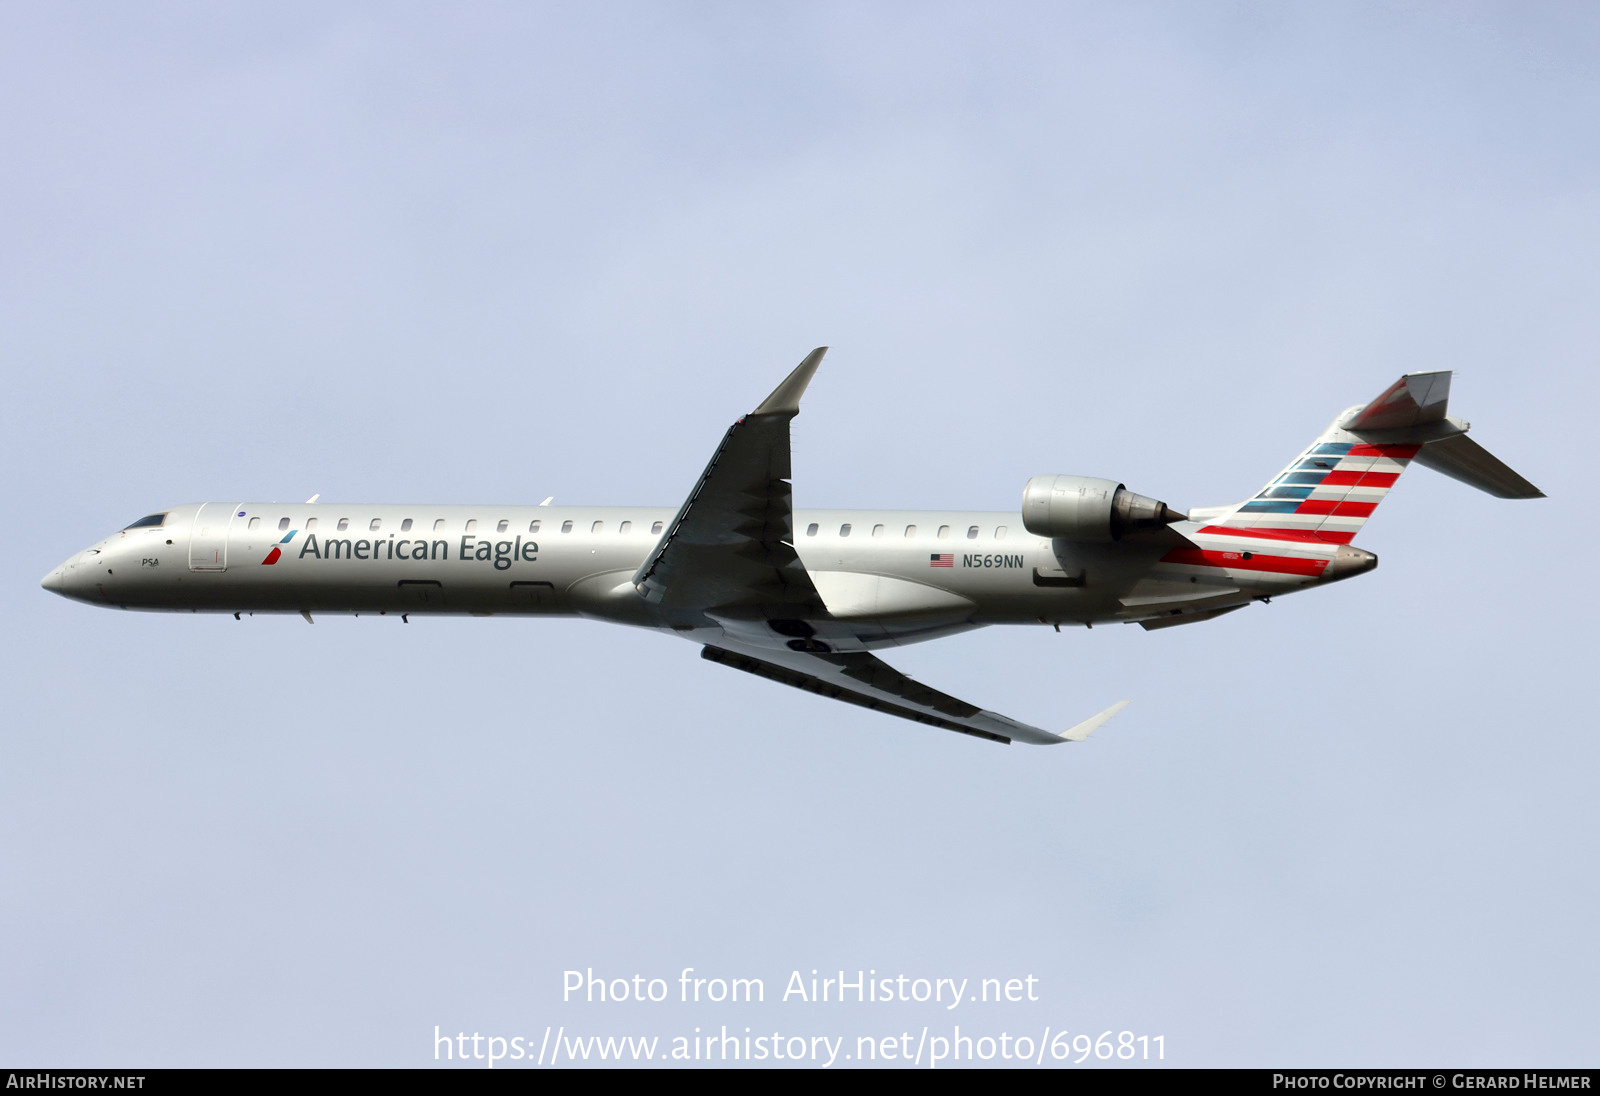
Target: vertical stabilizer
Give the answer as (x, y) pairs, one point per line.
(1330, 490)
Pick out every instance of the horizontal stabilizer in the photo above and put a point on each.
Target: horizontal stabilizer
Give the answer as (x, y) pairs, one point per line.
(1330, 490)
(1464, 459)
(1414, 400)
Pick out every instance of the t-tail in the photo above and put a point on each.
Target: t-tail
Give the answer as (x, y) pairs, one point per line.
(1327, 494)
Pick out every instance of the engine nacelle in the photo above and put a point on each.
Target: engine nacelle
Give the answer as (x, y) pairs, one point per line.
(1089, 509)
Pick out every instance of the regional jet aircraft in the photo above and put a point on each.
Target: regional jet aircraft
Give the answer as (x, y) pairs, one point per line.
(804, 597)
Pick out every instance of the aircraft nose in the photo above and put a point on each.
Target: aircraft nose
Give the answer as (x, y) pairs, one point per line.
(67, 578)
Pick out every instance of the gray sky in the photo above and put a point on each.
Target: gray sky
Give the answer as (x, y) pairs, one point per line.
(405, 253)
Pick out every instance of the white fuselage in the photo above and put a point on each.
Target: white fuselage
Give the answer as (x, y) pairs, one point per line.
(886, 576)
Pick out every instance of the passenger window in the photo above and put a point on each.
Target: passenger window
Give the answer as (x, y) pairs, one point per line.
(503, 526)
(472, 524)
(438, 524)
(566, 527)
(656, 527)
(972, 533)
(811, 530)
(625, 527)
(255, 523)
(877, 530)
(844, 530)
(533, 526)
(597, 526)
(405, 526)
(911, 530)
(283, 523)
(944, 531)
(1000, 533)
(344, 523)
(311, 523)
(375, 523)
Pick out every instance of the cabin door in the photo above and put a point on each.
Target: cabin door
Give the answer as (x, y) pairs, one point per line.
(208, 538)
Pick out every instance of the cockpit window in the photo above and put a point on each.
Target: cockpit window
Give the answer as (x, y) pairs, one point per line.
(146, 522)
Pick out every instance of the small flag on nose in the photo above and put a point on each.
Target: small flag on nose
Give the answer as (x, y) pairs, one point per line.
(946, 560)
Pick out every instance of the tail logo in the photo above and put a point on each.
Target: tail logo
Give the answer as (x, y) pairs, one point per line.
(1326, 495)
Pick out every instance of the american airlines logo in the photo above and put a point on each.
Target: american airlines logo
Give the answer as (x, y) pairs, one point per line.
(277, 549)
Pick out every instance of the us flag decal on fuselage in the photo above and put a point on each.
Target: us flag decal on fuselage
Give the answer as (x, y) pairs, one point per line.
(946, 560)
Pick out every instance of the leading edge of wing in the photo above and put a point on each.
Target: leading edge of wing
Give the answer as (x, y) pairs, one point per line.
(866, 680)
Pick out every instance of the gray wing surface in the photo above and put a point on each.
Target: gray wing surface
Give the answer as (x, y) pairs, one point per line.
(732, 541)
(866, 680)
(729, 555)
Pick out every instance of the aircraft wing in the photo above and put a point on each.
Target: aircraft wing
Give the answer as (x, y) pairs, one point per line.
(864, 679)
(732, 541)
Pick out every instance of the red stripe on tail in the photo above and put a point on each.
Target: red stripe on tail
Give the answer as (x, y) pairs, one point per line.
(1236, 561)
(1365, 479)
(1325, 536)
(1333, 506)
(1399, 452)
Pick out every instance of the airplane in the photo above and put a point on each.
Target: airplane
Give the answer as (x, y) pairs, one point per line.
(805, 597)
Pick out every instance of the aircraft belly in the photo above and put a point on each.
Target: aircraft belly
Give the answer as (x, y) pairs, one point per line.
(853, 595)
(909, 585)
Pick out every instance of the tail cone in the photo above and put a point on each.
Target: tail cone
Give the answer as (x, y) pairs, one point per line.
(1348, 561)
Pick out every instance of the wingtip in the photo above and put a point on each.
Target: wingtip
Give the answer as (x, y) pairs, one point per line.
(785, 399)
(1089, 726)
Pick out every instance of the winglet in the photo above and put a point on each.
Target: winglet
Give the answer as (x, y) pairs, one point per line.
(1089, 726)
(785, 399)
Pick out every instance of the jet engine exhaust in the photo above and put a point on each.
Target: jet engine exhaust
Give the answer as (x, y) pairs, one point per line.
(1131, 512)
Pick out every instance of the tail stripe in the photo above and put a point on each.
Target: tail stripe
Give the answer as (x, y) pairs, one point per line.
(1357, 478)
(1331, 506)
(1399, 452)
(1246, 561)
(1326, 536)
(1326, 495)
